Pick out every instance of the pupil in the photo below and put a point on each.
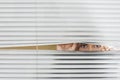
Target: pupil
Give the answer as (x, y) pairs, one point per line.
(97, 46)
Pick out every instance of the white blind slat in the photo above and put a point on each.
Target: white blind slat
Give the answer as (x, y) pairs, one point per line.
(43, 22)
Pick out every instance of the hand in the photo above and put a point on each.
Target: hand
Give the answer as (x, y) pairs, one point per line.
(67, 47)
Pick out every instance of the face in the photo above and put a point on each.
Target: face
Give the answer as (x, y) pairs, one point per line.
(92, 47)
(82, 47)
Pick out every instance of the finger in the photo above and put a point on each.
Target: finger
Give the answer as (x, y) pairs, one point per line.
(74, 46)
(60, 47)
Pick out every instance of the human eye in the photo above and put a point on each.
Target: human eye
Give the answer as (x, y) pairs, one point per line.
(83, 45)
(97, 46)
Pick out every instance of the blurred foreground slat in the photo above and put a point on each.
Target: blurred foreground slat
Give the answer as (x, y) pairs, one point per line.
(44, 47)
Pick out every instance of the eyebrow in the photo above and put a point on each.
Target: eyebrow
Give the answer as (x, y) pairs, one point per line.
(83, 44)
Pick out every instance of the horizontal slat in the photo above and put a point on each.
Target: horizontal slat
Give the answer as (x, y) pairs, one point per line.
(54, 71)
(56, 66)
(43, 22)
(79, 15)
(55, 75)
(38, 64)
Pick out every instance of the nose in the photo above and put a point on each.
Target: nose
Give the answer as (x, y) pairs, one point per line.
(90, 47)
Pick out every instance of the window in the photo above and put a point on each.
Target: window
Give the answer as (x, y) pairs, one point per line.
(30, 31)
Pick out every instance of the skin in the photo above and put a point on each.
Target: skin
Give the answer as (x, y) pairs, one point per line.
(82, 47)
(67, 47)
(92, 47)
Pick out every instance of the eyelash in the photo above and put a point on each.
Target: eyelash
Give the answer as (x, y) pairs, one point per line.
(86, 45)
(83, 45)
(97, 46)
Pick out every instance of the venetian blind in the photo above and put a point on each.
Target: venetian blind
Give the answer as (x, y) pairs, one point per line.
(59, 65)
(43, 22)
(32, 22)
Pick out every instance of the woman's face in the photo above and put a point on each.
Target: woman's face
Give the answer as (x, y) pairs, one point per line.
(82, 47)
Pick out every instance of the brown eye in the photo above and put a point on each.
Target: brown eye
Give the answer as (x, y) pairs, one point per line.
(83, 45)
(97, 46)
